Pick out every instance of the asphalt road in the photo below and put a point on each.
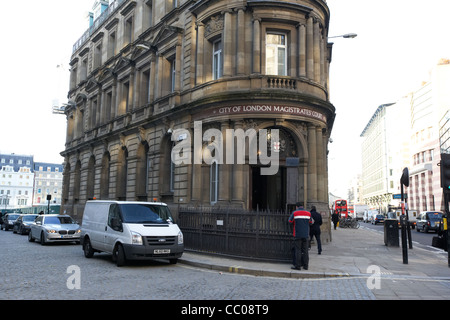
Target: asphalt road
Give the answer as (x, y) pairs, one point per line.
(419, 237)
(61, 272)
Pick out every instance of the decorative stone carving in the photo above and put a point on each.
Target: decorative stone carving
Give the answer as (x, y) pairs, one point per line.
(214, 26)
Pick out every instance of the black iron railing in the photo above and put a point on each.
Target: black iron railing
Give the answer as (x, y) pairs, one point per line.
(235, 232)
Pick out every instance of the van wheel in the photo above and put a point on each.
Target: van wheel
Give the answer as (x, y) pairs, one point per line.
(119, 255)
(87, 248)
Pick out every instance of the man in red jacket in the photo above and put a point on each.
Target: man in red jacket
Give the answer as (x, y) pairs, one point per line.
(301, 220)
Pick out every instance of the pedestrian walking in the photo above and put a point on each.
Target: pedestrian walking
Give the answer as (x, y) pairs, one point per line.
(315, 228)
(301, 219)
(335, 219)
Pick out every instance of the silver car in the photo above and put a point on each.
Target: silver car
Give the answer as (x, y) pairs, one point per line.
(54, 228)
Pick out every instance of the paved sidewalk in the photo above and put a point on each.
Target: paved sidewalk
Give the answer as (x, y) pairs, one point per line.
(350, 254)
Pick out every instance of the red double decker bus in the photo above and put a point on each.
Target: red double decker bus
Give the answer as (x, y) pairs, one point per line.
(340, 206)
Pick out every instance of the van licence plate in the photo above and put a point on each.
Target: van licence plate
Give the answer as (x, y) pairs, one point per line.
(161, 251)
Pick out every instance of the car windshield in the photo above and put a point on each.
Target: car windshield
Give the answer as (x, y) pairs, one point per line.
(59, 220)
(28, 218)
(434, 215)
(379, 216)
(145, 213)
(13, 216)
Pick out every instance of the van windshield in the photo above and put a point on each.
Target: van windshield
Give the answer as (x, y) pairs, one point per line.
(145, 213)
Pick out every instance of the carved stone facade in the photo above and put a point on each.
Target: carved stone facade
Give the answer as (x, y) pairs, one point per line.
(152, 67)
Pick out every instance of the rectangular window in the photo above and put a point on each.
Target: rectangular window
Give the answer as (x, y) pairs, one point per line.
(112, 45)
(84, 69)
(97, 56)
(276, 59)
(217, 59)
(145, 90)
(128, 33)
(172, 75)
(126, 95)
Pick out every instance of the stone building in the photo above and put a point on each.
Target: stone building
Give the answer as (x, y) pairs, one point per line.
(147, 74)
(47, 182)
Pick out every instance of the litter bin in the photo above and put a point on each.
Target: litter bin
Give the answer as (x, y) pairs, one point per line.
(391, 238)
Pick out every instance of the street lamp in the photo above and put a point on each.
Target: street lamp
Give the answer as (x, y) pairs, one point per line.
(346, 36)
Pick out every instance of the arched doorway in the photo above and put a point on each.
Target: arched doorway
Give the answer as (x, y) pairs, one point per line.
(274, 192)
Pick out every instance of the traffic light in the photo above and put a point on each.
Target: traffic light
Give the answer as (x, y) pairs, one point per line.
(445, 172)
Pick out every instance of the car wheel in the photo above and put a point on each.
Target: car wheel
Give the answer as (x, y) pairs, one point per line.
(119, 255)
(87, 248)
(30, 237)
(42, 240)
(173, 261)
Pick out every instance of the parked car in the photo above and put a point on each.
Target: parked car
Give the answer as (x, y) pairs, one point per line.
(8, 221)
(23, 223)
(54, 228)
(429, 220)
(378, 218)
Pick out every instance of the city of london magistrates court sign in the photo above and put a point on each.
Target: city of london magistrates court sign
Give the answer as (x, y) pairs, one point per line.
(263, 109)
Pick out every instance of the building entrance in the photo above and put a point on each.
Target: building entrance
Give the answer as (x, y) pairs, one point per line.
(268, 192)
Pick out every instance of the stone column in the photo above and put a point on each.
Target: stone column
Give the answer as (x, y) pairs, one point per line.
(320, 169)
(200, 57)
(312, 164)
(310, 48)
(302, 50)
(292, 180)
(238, 173)
(240, 43)
(256, 46)
(227, 44)
(317, 46)
(325, 163)
(224, 169)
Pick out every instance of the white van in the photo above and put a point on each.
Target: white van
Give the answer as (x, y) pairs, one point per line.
(130, 231)
(368, 215)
